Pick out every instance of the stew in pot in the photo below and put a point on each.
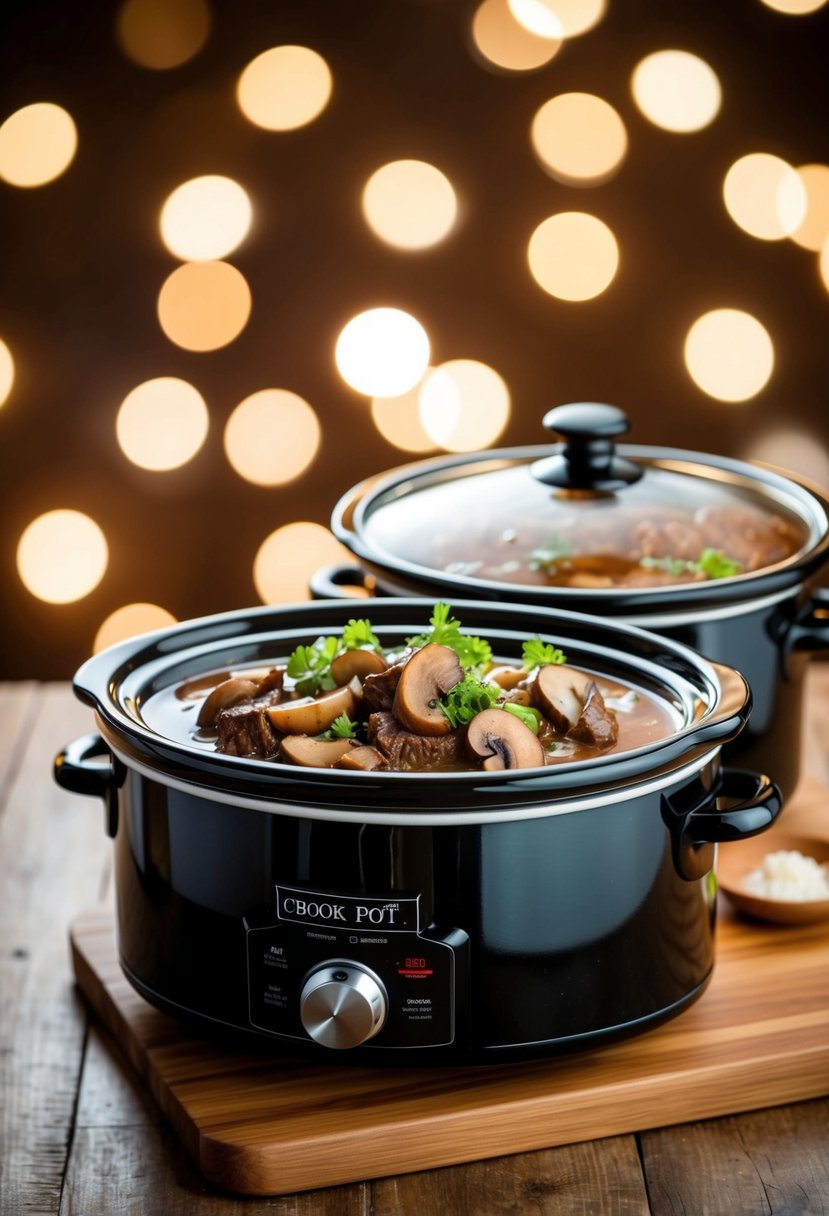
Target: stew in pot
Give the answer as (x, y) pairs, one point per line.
(440, 703)
(502, 526)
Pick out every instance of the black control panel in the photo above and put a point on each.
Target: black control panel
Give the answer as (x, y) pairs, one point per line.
(419, 970)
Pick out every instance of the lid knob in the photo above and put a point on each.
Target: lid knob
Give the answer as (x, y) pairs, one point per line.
(587, 459)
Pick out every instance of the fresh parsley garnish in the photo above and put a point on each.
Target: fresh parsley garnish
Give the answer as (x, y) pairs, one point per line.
(310, 666)
(467, 698)
(529, 716)
(547, 557)
(358, 635)
(536, 653)
(341, 728)
(711, 562)
(715, 564)
(446, 631)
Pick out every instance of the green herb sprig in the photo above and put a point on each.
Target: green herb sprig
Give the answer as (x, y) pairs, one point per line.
(472, 652)
(469, 697)
(359, 635)
(310, 666)
(341, 728)
(711, 562)
(546, 557)
(529, 716)
(536, 653)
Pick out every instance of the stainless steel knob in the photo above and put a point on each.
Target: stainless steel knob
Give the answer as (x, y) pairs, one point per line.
(342, 1004)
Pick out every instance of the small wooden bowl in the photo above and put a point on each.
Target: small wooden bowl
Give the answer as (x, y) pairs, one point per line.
(738, 859)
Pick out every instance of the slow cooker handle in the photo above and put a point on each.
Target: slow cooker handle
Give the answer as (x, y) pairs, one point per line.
(740, 804)
(75, 770)
(330, 582)
(810, 630)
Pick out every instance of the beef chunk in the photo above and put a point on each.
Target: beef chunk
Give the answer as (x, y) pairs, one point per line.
(245, 730)
(597, 724)
(407, 752)
(379, 690)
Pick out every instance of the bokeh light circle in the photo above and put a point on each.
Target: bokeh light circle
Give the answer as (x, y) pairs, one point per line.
(573, 255)
(128, 622)
(579, 138)
(504, 43)
(557, 18)
(271, 437)
(37, 144)
(204, 305)
(793, 449)
(206, 218)
(765, 196)
(398, 421)
(162, 423)
(62, 556)
(162, 34)
(6, 372)
(729, 354)
(464, 405)
(288, 557)
(382, 352)
(814, 230)
(409, 204)
(794, 8)
(284, 88)
(677, 91)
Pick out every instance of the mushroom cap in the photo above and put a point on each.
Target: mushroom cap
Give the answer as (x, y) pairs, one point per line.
(362, 759)
(359, 663)
(428, 674)
(503, 741)
(229, 692)
(314, 753)
(560, 693)
(312, 715)
(506, 676)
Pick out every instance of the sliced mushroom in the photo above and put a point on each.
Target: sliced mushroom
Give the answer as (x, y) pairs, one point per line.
(429, 673)
(365, 759)
(359, 663)
(560, 694)
(503, 741)
(313, 715)
(229, 692)
(505, 677)
(574, 706)
(597, 724)
(315, 753)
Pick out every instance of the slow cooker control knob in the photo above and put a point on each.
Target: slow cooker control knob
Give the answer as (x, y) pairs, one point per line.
(342, 1004)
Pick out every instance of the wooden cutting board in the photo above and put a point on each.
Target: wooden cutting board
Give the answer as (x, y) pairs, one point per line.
(258, 1125)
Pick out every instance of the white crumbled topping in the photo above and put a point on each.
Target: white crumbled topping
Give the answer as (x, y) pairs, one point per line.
(789, 875)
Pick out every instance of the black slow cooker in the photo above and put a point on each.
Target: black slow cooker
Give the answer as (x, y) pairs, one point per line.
(719, 554)
(459, 916)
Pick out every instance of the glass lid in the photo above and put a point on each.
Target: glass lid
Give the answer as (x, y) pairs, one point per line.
(587, 515)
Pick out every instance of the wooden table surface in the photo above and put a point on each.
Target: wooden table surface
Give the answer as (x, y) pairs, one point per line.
(79, 1135)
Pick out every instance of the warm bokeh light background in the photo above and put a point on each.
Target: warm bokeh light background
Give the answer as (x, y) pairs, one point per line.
(253, 252)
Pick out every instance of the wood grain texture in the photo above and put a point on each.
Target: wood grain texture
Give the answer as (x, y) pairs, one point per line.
(774, 1162)
(759, 1036)
(602, 1176)
(52, 859)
